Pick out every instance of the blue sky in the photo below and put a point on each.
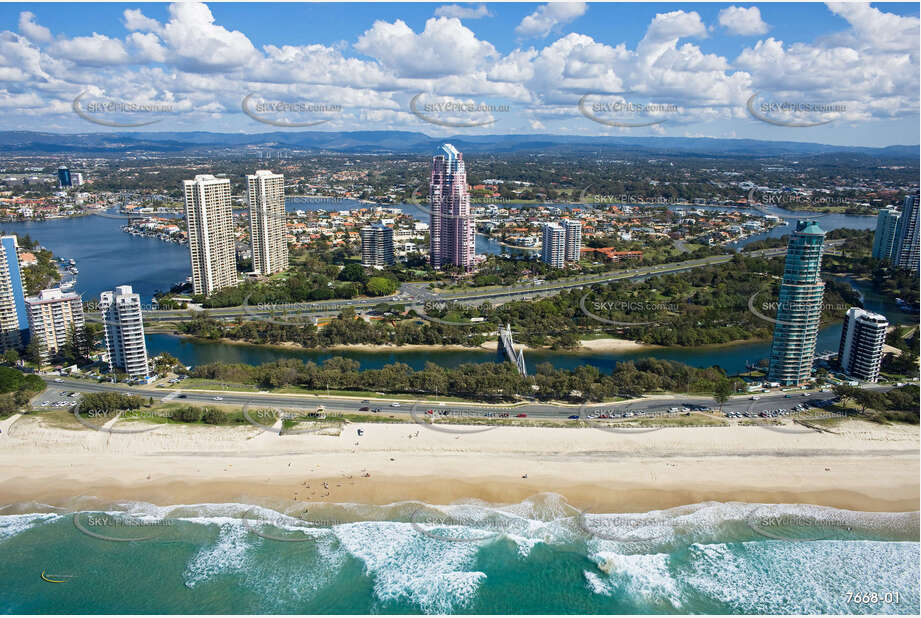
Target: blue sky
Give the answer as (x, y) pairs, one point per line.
(695, 69)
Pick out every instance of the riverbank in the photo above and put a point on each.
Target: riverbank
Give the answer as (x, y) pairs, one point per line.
(592, 345)
(862, 466)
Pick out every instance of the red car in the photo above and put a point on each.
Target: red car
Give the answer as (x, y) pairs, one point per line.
(521, 416)
(430, 412)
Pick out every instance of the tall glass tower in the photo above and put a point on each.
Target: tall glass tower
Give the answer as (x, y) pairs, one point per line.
(451, 229)
(799, 306)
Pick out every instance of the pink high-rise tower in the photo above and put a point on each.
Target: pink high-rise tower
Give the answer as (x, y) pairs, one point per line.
(451, 230)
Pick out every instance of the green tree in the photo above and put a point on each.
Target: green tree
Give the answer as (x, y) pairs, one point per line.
(33, 352)
(721, 392)
(11, 357)
(381, 286)
(353, 272)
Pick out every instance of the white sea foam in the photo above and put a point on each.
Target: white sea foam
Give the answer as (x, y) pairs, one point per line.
(439, 576)
(227, 555)
(644, 577)
(11, 525)
(805, 577)
(597, 584)
(405, 565)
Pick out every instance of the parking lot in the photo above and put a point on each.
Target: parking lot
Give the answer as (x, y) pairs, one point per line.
(55, 397)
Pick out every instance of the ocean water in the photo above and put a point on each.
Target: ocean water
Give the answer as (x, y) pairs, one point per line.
(538, 556)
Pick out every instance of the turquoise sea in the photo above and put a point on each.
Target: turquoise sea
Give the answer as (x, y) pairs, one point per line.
(539, 556)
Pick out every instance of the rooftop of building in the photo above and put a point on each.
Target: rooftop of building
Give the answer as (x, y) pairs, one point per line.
(809, 227)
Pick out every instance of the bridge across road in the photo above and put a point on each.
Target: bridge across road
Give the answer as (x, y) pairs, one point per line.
(506, 350)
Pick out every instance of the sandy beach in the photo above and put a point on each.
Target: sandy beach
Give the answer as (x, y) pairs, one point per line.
(862, 466)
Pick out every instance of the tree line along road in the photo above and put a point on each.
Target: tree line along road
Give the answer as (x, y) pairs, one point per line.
(656, 404)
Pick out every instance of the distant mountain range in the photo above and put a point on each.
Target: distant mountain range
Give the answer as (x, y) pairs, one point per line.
(406, 142)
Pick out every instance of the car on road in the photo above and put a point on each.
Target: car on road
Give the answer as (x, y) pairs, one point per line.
(573, 417)
(219, 399)
(376, 410)
(364, 409)
(787, 396)
(365, 401)
(182, 396)
(754, 398)
(58, 380)
(522, 415)
(395, 404)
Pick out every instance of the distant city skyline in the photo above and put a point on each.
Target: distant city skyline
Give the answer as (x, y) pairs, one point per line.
(697, 70)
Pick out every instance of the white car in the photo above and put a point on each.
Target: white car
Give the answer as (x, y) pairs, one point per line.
(219, 399)
(58, 380)
(395, 405)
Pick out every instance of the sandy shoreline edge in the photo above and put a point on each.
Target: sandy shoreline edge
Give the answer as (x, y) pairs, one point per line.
(862, 467)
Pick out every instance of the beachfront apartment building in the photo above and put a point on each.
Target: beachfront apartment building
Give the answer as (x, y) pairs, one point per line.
(573, 240)
(553, 245)
(905, 245)
(452, 239)
(799, 307)
(123, 320)
(209, 216)
(376, 246)
(55, 318)
(265, 194)
(14, 323)
(9, 252)
(863, 336)
(887, 222)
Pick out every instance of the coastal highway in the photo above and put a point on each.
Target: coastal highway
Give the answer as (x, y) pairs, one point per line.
(419, 294)
(647, 405)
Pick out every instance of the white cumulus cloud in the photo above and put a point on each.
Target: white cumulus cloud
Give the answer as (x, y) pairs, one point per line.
(463, 12)
(444, 47)
(31, 29)
(548, 17)
(743, 22)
